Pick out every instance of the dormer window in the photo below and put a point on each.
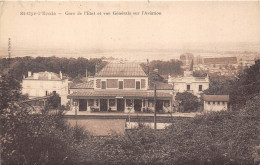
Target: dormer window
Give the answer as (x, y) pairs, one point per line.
(137, 85)
(121, 84)
(103, 85)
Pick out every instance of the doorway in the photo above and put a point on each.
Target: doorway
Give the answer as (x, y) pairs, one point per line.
(103, 104)
(159, 105)
(82, 105)
(137, 105)
(120, 105)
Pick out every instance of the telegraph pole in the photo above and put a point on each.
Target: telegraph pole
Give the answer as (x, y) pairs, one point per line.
(76, 113)
(154, 106)
(148, 68)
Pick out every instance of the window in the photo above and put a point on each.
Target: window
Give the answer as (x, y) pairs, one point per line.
(121, 84)
(200, 87)
(138, 85)
(218, 102)
(91, 102)
(223, 102)
(104, 85)
(96, 102)
(112, 102)
(188, 87)
(166, 103)
(150, 103)
(208, 102)
(213, 102)
(129, 102)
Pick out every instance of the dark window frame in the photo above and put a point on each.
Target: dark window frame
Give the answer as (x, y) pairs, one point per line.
(139, 85)
(129, 102)
(103, 85)
(122, 83)
(188, 87)
(112, 102)
(91, 102)
(200, 87)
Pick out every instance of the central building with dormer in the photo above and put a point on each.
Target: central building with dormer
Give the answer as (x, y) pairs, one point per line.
(119, 87)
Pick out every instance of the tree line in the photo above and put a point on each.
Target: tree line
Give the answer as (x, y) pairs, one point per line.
(76, 67)
(71, 67)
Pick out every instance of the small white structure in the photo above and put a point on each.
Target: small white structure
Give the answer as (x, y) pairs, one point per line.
(44, 83)
(189, 83)
(215, 102)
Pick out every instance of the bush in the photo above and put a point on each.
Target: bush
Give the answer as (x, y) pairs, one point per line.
(187, 101)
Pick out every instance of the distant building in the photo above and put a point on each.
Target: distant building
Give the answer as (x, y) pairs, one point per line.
(219, 60)
(215, 102)
(44, 83)
(189, 83)
(186, 59)
(119, 87)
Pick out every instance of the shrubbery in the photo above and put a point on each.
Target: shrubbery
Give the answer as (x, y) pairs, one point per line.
(217, 138)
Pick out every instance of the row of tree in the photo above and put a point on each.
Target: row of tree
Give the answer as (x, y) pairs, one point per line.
(71, 67)
(76, 68)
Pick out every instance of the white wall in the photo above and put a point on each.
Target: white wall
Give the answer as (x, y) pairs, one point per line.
(180, 85)
(215, 107)
(38, 88)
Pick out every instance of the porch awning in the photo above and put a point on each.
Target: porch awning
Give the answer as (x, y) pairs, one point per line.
(118, 94)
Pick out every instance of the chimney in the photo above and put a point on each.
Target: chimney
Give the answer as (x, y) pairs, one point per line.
(29, 73)
(49, 75)
(148, 68)
(60, 75)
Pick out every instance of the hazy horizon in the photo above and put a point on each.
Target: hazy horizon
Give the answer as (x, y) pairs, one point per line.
(183, 27)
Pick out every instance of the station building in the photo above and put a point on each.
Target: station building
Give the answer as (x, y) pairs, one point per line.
(120, 87)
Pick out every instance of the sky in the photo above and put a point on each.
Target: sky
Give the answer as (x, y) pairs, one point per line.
(181, 25)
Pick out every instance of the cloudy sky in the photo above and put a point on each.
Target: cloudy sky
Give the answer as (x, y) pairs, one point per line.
(181, 24)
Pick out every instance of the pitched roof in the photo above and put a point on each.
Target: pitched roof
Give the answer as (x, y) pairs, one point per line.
(160, 85)
(84, 85)
(216, 97)
(121, 70)
(118, 93)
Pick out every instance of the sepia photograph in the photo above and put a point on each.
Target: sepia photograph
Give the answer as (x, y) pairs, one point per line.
(130, 82)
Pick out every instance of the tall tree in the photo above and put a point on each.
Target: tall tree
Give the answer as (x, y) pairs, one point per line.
(187, 101)
(246, 85)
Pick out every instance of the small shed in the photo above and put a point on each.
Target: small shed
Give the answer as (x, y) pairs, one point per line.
(216, 102)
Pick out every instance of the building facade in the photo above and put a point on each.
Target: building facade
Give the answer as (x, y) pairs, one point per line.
(213, 103)
(189, 83)
(119, 87)
(45, 83)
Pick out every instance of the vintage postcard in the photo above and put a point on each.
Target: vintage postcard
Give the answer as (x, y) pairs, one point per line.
(120, 82)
